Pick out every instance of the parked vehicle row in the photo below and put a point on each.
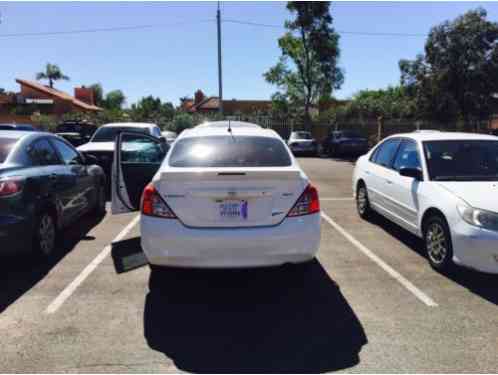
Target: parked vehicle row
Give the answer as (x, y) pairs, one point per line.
(441, 187)
(45, 185)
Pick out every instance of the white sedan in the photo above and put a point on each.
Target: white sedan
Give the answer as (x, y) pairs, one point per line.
(440, 186)
(226, 195)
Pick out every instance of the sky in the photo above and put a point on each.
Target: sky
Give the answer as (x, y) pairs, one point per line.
(176, 53)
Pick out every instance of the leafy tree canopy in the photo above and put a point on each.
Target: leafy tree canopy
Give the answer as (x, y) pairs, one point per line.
(458, 74)
(114, 99)
(52, 73)
(308, 66)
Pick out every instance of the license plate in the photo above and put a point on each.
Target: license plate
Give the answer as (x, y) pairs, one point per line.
(233, 209)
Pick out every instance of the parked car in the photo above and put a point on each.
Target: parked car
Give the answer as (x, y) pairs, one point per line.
(45, 185)
(439, 186)
(101, 145)
(345, 143)
(169, 136)
(302, 142)
(220, 198)
(76, 132)
(24, 127)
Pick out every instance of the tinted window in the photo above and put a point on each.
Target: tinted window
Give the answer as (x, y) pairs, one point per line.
(301, 135)
(42, 153)
(407, 156)
(226, 151)
(7, 127)
(6, 144)
(386, 151)
(68, 154)
(109, 133)
(462, 160)
(137, 149)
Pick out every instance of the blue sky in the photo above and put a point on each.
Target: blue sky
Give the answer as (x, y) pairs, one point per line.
(179, 56)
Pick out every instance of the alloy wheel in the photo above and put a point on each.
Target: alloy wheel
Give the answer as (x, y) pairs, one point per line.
(437, 245)
(46, 234)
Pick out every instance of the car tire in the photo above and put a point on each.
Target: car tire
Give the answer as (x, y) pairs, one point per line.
(362, 202)
(45, 234)
(437, 243)
(99, 209)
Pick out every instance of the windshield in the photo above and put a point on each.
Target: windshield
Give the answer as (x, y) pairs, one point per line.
(7, 127)
(6, 145)
(301, 135)
(226, 151)
(462, 160)
(109, 133)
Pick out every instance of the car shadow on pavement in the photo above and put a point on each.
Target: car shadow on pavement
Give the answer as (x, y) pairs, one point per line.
(291, 319)
(19, 273)
(482, 284)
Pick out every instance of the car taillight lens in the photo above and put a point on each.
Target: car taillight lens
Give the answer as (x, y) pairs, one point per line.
(10, 187)
(308, 203)
(153, 205)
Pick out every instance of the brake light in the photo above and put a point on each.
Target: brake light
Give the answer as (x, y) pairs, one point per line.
(153, 205)
(308, 203)
(10, 187)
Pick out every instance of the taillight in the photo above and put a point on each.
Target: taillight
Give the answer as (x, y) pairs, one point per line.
(10, 187)
(308, 203)
(153, 205)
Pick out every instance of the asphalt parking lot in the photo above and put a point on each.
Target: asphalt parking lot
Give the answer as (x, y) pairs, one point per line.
(369, 303)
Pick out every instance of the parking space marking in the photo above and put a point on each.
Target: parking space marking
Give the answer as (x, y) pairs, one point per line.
(392, 272)
(69, 290)
(337, 199)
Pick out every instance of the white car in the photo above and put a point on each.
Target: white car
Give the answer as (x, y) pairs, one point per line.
(169, 136)
(442, 187)
(224, 196)
(302, 142)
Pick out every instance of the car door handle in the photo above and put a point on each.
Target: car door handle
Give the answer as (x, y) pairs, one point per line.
(367, 172)
(389, 182)
(53, 176)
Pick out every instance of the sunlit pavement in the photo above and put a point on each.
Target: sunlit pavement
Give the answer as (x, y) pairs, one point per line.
(94, 308)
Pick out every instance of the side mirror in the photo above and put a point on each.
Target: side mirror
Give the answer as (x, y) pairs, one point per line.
(415, 173)
(91, 160)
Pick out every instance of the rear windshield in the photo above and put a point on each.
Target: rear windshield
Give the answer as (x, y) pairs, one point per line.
(6, 145)
(109, 133)
(301, 135)
(227, 151)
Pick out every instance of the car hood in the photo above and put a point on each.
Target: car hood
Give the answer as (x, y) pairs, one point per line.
(479, 194)
(96, 146)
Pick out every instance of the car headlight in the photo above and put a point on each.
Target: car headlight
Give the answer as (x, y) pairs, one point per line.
(479, 218)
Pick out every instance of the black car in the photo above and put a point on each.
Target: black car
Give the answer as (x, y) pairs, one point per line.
(345, 143)
(76, 132)
(24, 127)
(45, 185)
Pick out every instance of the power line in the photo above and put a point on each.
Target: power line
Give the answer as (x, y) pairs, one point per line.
(102, 29)
(257, 24)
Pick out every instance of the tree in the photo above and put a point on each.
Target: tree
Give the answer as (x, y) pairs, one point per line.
(2, 90)
(458, 75)
(312, 46)
(114, 99)
(98, 94)
(151, 109)
(52, 73)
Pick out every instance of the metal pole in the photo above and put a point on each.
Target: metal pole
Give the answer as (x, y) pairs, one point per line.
(220, 83)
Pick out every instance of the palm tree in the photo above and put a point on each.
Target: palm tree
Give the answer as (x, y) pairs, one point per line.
(52, 73)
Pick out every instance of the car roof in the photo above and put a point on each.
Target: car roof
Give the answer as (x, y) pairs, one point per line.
(434, 135)
(130, 124)
(15, 134)
(220, 128)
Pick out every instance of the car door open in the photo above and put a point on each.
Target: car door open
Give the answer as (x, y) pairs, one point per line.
(137, 157)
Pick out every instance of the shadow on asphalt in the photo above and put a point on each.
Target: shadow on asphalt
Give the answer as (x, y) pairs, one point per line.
(291, 319)
(484, 285)
(18, 274)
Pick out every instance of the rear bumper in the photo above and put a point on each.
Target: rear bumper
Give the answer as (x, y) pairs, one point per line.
(169, 243)
(15, 235)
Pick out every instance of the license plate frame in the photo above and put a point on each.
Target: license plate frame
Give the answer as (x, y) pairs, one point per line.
(233, 209)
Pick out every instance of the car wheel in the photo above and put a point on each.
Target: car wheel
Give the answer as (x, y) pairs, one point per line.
(45, 234)
(362, 202)
(99, 209)
(438, 245)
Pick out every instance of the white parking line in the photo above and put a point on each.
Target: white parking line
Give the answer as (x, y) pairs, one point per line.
(395, 274)
(69, 290)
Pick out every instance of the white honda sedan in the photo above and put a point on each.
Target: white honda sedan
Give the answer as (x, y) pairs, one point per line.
(440, 186)
(225, 195)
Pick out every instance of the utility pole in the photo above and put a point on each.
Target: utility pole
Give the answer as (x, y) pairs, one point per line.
(220, 82)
